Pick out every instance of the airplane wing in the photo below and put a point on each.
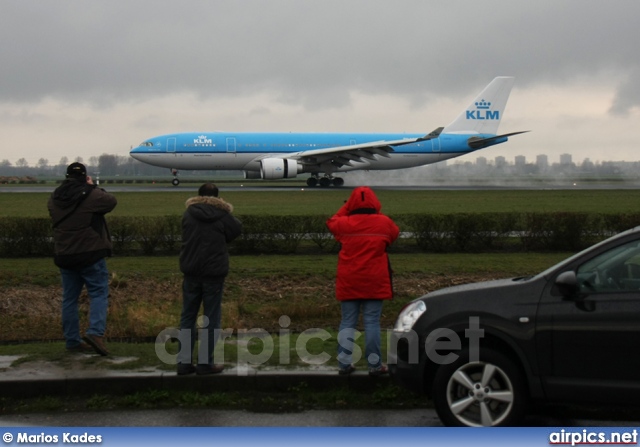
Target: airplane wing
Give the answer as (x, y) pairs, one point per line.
(344, 155)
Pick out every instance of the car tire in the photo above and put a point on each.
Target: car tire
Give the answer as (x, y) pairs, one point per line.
(491, 392)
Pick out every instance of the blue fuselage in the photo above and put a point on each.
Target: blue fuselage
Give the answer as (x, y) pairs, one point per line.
(243, 151)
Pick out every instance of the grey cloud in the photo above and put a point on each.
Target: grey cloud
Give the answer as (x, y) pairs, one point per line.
(628, 95)
(308, 52)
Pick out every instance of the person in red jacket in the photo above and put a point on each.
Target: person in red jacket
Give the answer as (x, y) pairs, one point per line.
(363, 279)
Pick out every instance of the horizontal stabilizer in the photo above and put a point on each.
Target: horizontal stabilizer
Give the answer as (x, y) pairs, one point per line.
(479, 142)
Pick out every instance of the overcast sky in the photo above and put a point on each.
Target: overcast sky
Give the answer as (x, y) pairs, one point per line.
(83, 78)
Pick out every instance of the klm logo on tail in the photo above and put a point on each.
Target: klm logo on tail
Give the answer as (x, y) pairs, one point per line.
(483, 112)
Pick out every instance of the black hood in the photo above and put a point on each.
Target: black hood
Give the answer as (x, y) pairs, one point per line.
(70, 192)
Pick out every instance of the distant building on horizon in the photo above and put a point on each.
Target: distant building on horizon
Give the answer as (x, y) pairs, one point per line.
(542, 162)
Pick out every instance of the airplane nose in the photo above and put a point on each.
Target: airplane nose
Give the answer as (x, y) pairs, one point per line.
(135, 152)
(143, 147)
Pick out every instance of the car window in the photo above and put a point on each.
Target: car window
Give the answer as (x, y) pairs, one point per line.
(617, 269)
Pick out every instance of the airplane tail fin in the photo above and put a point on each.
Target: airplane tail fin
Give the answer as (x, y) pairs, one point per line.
(485, 112)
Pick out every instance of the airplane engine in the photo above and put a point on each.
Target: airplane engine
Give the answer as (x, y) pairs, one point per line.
(277, 168)
(252, 175)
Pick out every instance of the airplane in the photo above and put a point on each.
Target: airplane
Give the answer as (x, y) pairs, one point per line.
(274, 156)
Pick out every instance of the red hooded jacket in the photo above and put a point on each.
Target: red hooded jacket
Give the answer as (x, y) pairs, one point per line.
(364, 271)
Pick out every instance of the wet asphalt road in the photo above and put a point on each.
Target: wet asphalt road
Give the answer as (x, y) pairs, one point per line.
(240, 418)
(230, 418)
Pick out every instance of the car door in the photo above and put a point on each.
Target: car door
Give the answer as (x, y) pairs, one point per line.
(588, 344)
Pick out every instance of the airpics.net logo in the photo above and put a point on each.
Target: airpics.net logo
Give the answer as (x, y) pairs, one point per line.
(256, 347)
(483, 112)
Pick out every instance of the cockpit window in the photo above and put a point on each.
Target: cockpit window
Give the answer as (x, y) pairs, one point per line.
(146, 143)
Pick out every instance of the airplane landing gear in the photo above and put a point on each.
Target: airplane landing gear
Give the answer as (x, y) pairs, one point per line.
(324, 182)
(175, 181)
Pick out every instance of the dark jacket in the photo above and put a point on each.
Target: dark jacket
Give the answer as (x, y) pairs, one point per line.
(80, 232)
(207, 227)
(364, 233)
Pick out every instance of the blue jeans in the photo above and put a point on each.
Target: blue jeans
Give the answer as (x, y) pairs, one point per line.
(96, 278)
(371, 311)
(209, 295)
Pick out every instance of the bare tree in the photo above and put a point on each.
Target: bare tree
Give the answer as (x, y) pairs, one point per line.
(108, 164)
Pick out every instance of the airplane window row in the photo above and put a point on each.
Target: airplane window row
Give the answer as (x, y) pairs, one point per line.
(256, 145)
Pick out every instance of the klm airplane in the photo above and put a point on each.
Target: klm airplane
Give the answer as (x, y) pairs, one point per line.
(273, 156)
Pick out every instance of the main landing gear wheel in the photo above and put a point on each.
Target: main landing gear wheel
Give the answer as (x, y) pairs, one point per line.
(324, 182)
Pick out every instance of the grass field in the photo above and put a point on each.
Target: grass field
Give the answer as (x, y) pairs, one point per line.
(326, 202)
(145, 300)
(260, 289)
(145, 296)
(146, 291)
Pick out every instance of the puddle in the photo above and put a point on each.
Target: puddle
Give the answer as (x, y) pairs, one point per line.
(7, 360)
(50, 370)
(120, 360)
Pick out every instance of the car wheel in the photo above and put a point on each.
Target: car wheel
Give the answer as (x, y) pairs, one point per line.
(490, 392)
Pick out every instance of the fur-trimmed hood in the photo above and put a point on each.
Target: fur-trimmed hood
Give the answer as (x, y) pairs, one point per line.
(208, 208)
(213, 201)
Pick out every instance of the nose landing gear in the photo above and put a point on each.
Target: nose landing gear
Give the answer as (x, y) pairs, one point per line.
(175, 181)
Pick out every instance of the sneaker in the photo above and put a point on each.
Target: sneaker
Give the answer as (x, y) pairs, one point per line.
(81, 348)
(379, 371)
(203, 370)
(346, 371)
(97, 343)
(185, 369)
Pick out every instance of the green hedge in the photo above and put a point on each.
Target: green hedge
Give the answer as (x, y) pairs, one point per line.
(20, 237)
(459, 232)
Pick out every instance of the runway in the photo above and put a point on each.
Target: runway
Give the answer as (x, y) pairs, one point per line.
(266, 187)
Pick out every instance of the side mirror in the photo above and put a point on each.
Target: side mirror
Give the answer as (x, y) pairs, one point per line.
(567, 284)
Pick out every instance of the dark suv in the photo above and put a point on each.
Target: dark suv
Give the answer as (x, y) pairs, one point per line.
(484, 351)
